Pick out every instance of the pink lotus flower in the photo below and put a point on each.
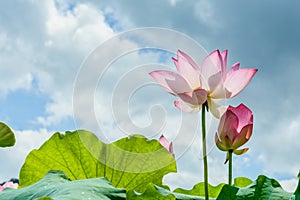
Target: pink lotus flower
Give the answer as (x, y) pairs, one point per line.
(235, 129)
(165, 143)
(9, 184)
(208, 83)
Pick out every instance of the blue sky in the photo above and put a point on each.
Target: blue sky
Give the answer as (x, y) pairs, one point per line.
(43, 44)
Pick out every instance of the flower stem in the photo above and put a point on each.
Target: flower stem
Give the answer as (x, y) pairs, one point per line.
(230, 167)
(204, 153)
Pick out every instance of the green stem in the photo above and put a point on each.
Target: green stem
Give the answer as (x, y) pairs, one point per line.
(230, 167)
(204, 153)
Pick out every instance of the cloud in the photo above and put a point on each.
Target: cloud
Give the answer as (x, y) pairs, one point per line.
(14, 157)
(83, 27)
(14, 52)
(204, 12)
(42, 49)
(74, 34)
(289, 185)
(282, 141)
(54, 56)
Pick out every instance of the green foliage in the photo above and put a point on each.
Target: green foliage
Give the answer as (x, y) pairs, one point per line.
(198, 190)
(57, 186)
(263, 188)
(156, 192)
(131, 163)
(151, 192)
(7, 137)
(242, 182)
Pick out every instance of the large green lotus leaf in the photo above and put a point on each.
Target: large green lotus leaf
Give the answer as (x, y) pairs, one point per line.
(56, 186)
(131, 163)
(263, 188)
(214, 191)
(7, 137)
(151, 192)
(156, 192)
(197, 192)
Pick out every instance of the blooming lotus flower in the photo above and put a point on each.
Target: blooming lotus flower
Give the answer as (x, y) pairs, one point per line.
(165, 143)
(9, 184)
(208, 83)
(235, 129)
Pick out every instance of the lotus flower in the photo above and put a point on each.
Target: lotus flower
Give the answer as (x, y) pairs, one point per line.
(9, 184)
(208, 83)
(165, 143)
(235, 129)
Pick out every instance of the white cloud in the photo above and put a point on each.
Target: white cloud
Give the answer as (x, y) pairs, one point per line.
(205, 12)
(52, 59)
(289, 185)
(70, 36)
(81, 28)
(15, 64)
(281, 149)
(13, 157)
(59, 24)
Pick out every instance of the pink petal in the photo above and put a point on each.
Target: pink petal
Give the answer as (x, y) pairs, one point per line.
(188, 97)
(243, 136)
(165, 143)
(215, 82)
(196, 98)
(211, 65)
(224, 64)
(201, 96)
(216, 86)
(228, 125)
(188, 59)
(171, 81)
(237, 80)
(9, 184)
(214, 58)
(171, 149)
(244, 115)
(188, 69)
(234, 67)
(160, 77)
(185, 107)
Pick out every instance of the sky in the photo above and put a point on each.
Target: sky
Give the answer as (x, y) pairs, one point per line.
(47, 46)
